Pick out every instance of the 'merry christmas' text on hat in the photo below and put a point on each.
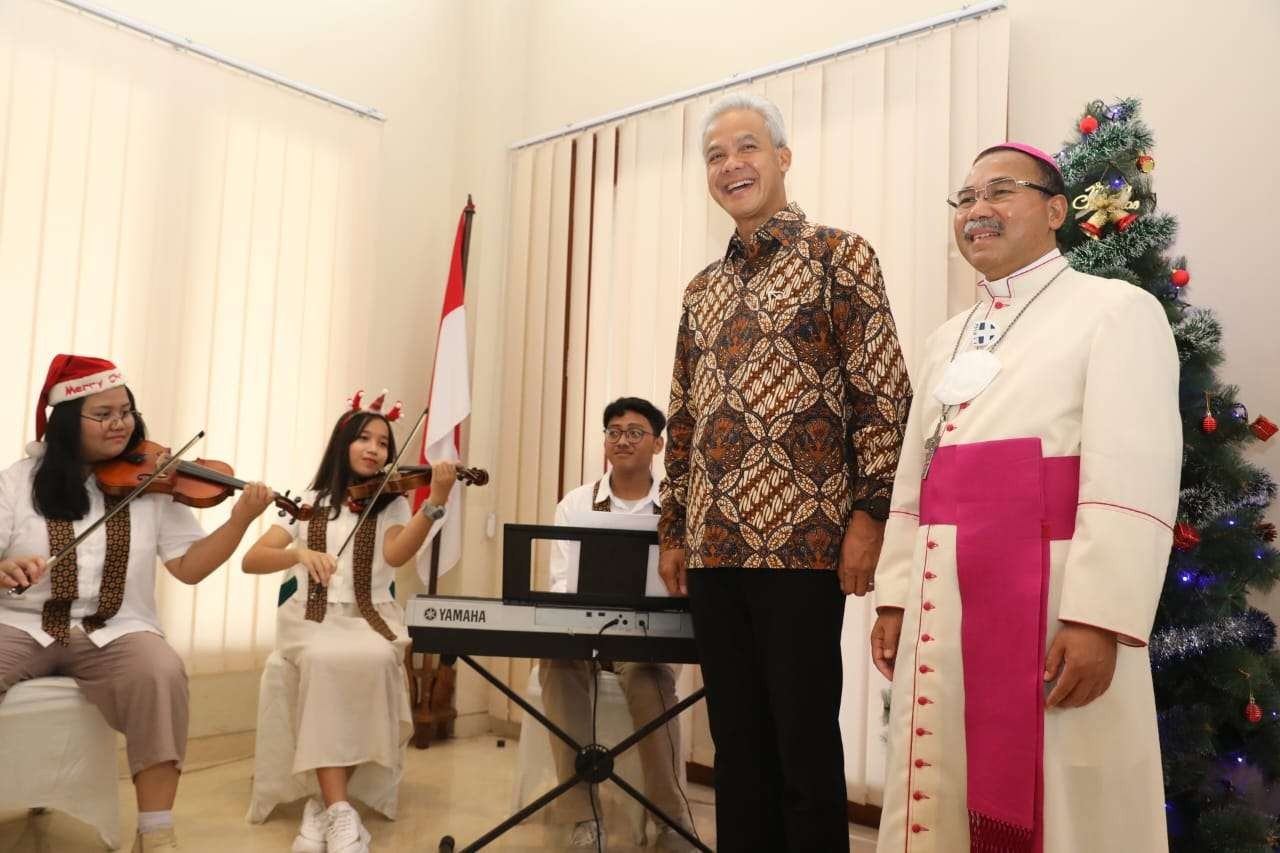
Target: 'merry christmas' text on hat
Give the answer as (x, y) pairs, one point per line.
(71, 377)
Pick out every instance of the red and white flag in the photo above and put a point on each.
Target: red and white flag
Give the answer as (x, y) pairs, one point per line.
(450, 402)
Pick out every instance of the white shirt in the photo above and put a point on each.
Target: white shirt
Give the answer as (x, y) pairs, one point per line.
(341, 587)
(579, 501)
(158, 527)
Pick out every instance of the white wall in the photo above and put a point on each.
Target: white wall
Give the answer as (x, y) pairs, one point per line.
(461, 80)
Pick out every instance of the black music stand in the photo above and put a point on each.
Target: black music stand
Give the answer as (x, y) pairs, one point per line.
(594, 762)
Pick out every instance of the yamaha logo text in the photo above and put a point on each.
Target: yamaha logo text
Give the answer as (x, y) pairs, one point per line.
(461, 614)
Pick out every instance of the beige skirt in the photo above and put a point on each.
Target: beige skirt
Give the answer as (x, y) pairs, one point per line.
(353, 701)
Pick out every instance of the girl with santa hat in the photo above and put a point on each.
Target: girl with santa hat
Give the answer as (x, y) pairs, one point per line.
(92, 616)
(340, 626)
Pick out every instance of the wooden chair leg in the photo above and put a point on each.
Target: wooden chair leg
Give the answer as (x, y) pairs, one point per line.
(431, 690)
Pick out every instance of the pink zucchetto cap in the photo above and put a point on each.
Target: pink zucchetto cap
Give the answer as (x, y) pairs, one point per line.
(1029, 150)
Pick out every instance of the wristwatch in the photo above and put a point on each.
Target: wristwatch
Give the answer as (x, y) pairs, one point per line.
(433, 512)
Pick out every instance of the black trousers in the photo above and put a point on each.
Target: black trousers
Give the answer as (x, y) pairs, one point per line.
(769, 644)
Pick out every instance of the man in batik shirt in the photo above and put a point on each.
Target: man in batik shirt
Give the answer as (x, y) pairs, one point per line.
(789, 397)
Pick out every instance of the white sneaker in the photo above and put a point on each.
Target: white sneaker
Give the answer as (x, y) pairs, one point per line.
(345, 833)
(311, 833)
(586, 833)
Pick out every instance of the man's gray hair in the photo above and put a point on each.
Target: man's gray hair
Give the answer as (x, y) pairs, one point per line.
(746, 101)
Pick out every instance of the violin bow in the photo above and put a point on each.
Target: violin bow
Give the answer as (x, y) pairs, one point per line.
(386, 477)
(88, 531)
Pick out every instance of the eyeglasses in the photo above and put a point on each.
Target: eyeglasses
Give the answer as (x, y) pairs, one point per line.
(108, 420)
(999, 190)
(634, 435)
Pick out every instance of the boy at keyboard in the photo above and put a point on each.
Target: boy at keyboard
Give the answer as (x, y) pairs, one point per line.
(632, 436)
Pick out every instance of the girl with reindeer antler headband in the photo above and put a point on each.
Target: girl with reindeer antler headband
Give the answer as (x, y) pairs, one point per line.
(340, 625)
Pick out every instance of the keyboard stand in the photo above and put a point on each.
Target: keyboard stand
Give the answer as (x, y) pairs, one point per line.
(594, 764)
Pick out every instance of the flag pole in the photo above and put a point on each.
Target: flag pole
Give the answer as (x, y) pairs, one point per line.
(468, 212)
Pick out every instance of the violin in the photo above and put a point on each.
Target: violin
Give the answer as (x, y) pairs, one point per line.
(202, 483)
(409, 477)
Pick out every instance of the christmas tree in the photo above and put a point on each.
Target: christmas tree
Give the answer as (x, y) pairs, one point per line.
(1217, 675)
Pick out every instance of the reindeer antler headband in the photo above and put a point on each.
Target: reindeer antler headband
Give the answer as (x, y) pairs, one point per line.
(374, 408)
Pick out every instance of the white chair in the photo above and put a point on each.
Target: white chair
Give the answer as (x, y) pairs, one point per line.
(274, 782)
(59, 753)
(536, 769)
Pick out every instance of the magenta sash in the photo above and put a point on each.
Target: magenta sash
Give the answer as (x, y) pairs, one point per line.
(1007, 503)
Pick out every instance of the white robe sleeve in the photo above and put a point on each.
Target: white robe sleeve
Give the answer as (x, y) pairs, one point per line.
(1130, 466)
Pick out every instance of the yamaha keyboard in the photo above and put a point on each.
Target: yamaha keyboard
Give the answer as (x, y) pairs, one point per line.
(608, 617)
(443, 624)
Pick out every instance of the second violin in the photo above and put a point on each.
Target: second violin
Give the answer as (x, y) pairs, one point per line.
(407, 478)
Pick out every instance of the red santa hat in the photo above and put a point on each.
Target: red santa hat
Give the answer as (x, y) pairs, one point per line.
(70, 377)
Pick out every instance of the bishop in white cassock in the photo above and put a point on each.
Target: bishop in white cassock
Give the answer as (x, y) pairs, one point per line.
(1026, 546)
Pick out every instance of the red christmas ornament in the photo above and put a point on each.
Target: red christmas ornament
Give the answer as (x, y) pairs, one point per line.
(1146, 164)
(1252, 712)
(1266, 532)
(1185, 537)
(1263, 428)
(1208, 424)
(1088, 125)
(1180, 278)
(1123, 223)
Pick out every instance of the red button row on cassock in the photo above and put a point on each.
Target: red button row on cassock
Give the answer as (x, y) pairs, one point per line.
(917, 828)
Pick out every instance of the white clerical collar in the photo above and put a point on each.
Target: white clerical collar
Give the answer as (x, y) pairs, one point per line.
(1004, 287)
(605, 492)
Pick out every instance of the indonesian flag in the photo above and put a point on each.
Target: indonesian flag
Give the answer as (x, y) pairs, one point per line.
(450, 404)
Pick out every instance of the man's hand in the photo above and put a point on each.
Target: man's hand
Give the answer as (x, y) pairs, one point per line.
(671, 568)
(1089, 655)
(884, 640)
(859, 552)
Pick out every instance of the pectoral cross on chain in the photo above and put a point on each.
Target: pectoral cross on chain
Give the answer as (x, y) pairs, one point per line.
(931, 446)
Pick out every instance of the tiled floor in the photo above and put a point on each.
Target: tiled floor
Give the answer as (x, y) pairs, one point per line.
(458, 787)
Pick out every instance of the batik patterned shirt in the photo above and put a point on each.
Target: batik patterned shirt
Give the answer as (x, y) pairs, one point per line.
(789, 399)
